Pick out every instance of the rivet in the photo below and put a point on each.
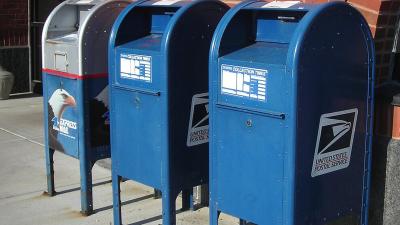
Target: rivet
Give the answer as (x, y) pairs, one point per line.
(249, 123)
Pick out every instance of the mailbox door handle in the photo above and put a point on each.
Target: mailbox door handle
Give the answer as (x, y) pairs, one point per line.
(278, 115)
(139, 90)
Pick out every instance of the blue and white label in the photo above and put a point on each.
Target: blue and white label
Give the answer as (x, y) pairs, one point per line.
(244, 82)
(281, 4)
(64, 126)
(136, 67)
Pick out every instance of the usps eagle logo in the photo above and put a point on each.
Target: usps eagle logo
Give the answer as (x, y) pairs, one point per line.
(334, 142)
(59, 101)
(199, 119)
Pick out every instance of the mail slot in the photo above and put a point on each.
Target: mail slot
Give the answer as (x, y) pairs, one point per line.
(159, 97)
(75, 86)
(291, 99)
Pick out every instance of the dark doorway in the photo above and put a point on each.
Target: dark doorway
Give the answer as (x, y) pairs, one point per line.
(40, 10)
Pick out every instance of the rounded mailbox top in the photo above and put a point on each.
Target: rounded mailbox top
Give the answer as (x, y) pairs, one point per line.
(74, 34)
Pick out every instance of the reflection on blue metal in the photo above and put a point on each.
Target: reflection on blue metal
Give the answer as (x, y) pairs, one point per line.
(158, 58)
(75, 90)
(291, 99)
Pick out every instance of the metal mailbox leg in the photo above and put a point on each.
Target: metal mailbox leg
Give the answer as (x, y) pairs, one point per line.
(157, 194)
(86, 188)
(187, 199)
(242, 222)
(168, 207)
(116, 186)
(50, 171)
(214, 214)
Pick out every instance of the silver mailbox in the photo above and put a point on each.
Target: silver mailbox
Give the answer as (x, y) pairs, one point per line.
(74, 32)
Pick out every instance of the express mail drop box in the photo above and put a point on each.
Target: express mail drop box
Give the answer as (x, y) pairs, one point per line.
(75, 78)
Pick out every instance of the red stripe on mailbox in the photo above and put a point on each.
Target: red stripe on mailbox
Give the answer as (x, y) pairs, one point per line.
(74, 76)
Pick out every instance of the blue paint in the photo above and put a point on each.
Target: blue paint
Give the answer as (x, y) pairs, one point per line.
(75, 133)
(319, 60)
(149, 120)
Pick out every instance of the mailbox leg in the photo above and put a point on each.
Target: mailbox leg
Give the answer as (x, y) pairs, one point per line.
(157, 194)
(86, 188)
(168, 208)
(50, 171)
(242, 222)
(187, 199)
(116, 186)
(214, 214)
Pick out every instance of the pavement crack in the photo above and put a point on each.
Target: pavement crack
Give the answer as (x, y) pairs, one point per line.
(22, 137)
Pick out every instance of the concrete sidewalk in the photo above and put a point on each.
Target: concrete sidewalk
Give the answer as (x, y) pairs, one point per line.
(23, 180)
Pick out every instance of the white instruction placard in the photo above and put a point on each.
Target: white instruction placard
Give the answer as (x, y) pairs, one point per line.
(84, 1)
(280, 4)
(166, 2)
(244, 82)
(137, 67)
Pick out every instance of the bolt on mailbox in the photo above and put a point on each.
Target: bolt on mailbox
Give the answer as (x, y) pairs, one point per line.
(291, 99)
(75, 91)
(158, 58)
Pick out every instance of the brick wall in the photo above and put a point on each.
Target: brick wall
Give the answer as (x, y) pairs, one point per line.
(13, 23)
(382, 17)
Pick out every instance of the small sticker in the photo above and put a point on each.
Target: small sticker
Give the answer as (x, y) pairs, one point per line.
(280, 4)
(198, 124)
(244, 82)
(136, 67)
(334, 142)
(166, 2)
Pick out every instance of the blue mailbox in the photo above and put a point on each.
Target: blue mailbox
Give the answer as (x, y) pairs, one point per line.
(75, 91)
(158, 57)
(291, 99)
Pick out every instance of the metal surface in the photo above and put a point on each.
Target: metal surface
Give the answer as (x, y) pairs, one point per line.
(158, 70)
(75, 87)
(291, 88)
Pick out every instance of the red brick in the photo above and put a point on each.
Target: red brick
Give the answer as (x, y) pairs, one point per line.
(395, 6)
(14, 22)
(380, 33)
(390, 6)
(390, 32)
(378, 59)
(384, 72)
(370, 16)
(382, 20)
(367, 4)
(393, 20)
(386, 58)
(388, 45)
(379, 45)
